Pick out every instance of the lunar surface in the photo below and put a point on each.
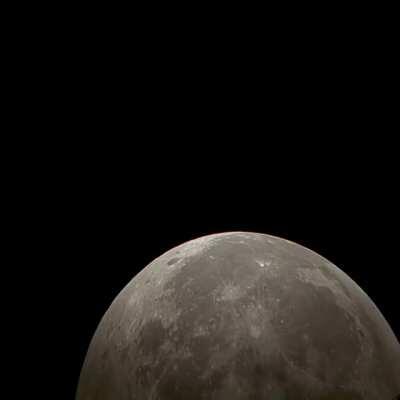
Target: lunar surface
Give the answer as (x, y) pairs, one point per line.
(240, 316)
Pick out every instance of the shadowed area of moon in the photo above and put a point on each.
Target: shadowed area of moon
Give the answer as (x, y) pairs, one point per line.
(237, 316)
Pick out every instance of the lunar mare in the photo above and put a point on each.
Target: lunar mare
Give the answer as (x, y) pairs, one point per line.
(237, 316)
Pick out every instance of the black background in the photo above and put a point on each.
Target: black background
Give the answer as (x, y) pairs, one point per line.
(139, 137)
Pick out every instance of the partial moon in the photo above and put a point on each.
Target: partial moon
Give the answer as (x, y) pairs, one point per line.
(240, 316)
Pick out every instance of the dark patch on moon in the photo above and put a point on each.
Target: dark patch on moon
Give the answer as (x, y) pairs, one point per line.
(241, 316)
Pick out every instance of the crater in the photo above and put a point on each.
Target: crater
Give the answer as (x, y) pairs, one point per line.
(172, 261)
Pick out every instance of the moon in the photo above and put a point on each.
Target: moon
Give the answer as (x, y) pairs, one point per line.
(241, 316)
